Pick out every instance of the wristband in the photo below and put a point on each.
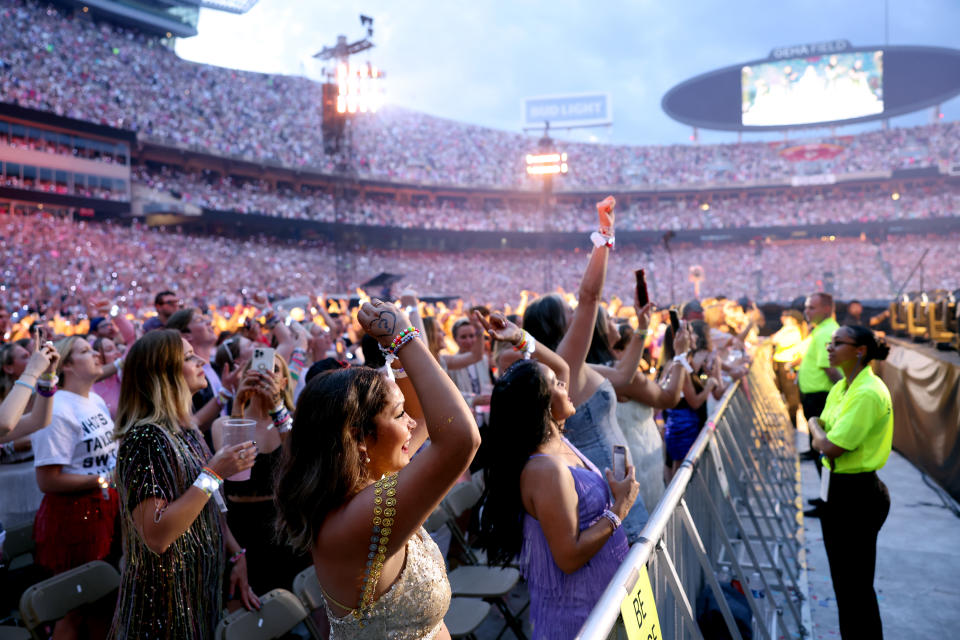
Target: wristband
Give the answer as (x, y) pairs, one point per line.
(207, 482)
(46, 391)
(601, 240)
(527, 345)
(681, 358)
(237, 556)
(613, 518)
(280, 418)
(25, 384)
(118, 363)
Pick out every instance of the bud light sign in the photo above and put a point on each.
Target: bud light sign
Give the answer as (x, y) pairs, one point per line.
(562, 112)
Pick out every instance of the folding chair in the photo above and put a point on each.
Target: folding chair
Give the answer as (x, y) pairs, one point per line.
(465, 615)
(19, 546)
(55, 597)
(307, 588)
(280, 612)
(491, 584)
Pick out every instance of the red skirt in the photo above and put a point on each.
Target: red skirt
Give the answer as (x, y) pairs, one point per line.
(71, 529)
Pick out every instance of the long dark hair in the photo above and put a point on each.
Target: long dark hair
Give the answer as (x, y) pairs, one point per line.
(600, 351)
(546, 320)
(322, 464)
(519, 423)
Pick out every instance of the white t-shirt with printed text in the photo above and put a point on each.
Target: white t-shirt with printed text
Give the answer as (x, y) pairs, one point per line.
(79, 436)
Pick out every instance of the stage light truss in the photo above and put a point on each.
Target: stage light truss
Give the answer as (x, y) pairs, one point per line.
(547, 164)
(358, 88)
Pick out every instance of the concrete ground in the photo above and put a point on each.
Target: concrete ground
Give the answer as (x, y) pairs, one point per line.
(918, 558)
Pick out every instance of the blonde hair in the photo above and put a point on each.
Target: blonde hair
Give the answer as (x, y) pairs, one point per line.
(64, 347)
(153, 389)
(285, 370)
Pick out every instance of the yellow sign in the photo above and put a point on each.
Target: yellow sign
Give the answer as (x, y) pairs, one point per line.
(639, 611)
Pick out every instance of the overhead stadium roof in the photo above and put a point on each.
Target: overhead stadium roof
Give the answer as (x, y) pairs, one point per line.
(162, 17)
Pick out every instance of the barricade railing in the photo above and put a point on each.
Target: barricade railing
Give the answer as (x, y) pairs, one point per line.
(731, 512)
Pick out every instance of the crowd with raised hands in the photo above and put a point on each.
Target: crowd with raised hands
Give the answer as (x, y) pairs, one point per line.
(107, 260)
(231, 457)
(66, 63)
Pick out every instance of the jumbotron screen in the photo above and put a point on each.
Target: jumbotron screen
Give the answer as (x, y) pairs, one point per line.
(810, 90)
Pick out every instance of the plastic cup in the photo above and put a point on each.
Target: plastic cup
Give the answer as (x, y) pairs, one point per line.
(237, 431)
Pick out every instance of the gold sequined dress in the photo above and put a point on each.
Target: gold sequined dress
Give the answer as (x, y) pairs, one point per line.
(413, 607)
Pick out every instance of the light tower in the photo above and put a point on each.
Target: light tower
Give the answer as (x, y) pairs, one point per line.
(545, 164)
(347, 89)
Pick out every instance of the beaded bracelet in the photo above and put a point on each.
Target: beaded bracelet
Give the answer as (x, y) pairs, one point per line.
(401, 339)
(213, 473)
(613, 518)
(384, 510)
(237, 556)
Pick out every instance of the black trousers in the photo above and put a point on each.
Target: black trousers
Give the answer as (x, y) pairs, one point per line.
(857, 506)
(813, 404)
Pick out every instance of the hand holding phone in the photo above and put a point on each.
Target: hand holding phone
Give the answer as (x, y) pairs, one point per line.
(263, 360)
(619, 461)
(675, 321)
(642, 295)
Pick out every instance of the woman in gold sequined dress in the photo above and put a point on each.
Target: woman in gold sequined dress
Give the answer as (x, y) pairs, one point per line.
(350, 494)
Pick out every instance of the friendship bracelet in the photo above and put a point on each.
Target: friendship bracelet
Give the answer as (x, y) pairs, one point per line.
(280, 419)
(237, 556)
(25, 384)
(224, 397)
(216, 476)
(46, 391)
(401, 339)
(613, 518)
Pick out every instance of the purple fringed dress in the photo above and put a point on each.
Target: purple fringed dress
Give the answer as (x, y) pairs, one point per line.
(560, 603)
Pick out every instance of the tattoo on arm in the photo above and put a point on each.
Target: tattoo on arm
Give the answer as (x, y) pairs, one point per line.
(384, 324)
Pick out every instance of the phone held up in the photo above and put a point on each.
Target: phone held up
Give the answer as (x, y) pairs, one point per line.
(675, 321)
(619, 461)
(642, 296)
(263, 359)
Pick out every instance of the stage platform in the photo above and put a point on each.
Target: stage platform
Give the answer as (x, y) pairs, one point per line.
(924, 384)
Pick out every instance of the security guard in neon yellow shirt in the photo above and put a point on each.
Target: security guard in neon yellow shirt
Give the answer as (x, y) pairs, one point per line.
(854, 433)
(815, 376)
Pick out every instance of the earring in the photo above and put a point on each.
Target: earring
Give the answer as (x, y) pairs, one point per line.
(367, 460)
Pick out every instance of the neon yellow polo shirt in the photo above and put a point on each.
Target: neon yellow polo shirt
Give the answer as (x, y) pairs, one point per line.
(810, 375)
(860, 420)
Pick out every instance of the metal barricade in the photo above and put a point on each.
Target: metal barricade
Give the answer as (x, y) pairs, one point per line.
(732, 508)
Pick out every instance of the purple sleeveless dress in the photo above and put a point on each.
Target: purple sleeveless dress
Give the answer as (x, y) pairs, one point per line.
(560, 603)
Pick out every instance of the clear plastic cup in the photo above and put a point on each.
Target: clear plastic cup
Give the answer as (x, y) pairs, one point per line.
(237, 431)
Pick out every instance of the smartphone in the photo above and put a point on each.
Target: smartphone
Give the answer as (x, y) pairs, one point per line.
(263, 359)
(619, 461)
(643, 297)
(675, 321)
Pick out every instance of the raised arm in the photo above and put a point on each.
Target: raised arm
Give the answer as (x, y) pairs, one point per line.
(454, 438)
(576, 341)
(13, 423)
(461, 360)
(502, 329)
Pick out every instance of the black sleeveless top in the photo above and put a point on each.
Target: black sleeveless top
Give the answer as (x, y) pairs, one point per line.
(262, 474)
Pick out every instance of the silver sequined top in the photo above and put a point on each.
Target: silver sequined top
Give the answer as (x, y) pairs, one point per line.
(413, 608)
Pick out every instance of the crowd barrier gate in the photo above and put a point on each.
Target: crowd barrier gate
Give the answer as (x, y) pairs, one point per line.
(733, 506)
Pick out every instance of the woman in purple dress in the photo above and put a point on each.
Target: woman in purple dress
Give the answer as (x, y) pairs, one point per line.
(546, 504)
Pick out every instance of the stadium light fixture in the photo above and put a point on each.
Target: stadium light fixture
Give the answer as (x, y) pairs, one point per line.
(547, 164)
(895, 195)
(358, 88)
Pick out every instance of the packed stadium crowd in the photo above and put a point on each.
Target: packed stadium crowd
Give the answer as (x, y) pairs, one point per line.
(872, 204)
(109, 259)
(70, 65)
